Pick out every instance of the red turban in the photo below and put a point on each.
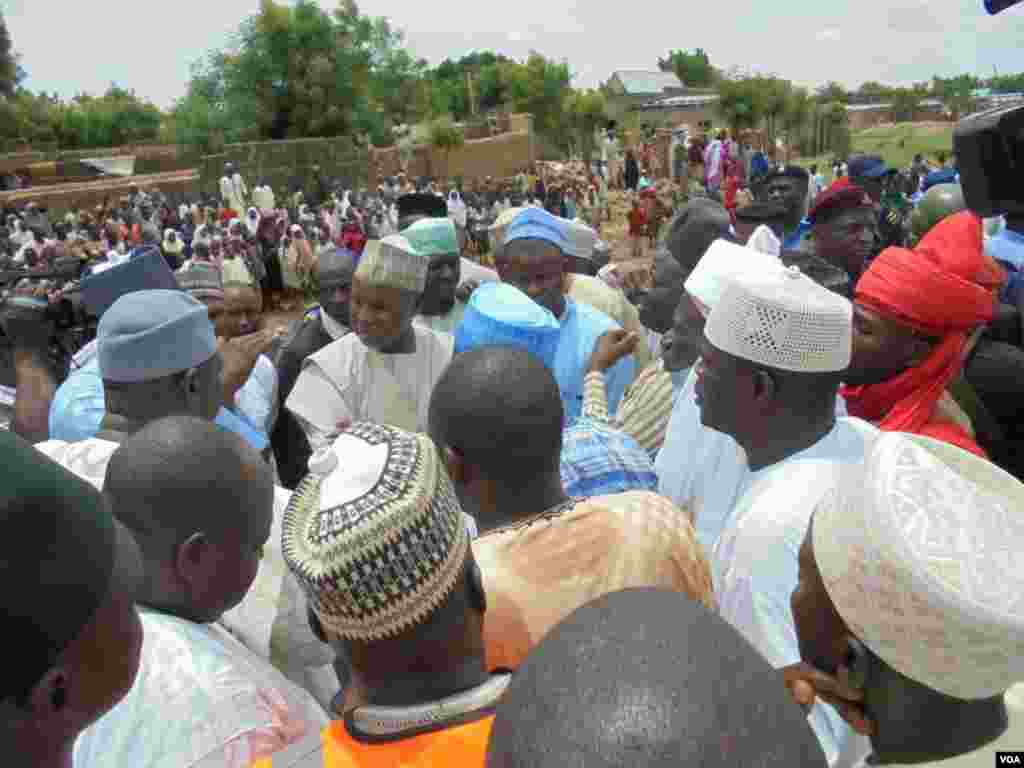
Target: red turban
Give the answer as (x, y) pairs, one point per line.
(945, 287)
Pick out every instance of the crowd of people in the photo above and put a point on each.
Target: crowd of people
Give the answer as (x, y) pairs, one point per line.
(759, 507)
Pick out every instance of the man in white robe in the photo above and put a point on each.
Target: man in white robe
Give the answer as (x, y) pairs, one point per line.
(775, 348)
(201, 697)
(158, 356)
(910, 595)
(698, 467)
(385, 370)
(233, 189)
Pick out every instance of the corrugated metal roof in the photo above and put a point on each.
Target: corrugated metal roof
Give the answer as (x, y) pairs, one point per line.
(926, 103)
(638, 82)
(681, 102)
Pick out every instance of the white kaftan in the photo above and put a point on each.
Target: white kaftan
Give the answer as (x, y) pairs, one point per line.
(754, 564)
(346, 381)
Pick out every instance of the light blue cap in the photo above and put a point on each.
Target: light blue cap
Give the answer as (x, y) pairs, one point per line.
(537, 224)
(147, 335)
(500, 314)
(598, 460)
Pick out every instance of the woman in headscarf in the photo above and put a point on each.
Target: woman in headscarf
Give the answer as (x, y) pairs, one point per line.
(252, 221)
(217, 251)
(297, 264)
(172, 247)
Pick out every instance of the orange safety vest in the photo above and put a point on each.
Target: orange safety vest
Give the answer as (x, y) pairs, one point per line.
(464, 746)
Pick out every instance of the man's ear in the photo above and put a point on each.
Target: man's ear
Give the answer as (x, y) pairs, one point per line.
(49, 697)
(765, 387)
(455, 463)
(190, 560)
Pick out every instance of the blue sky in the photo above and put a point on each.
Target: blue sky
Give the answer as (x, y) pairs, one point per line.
(73, 46)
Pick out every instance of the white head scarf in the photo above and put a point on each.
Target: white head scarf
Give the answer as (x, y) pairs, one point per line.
(252, 220)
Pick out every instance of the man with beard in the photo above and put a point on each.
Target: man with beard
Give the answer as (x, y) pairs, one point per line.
(422, 205)
(532, 259)
(915, 312)
(437, 239)
(385, 371)
(317, 329)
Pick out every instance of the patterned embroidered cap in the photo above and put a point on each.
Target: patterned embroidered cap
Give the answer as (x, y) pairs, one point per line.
(433, 237)
(378, 541)
(919, 551)
(201, 280)
(784, 320)
(395, 262)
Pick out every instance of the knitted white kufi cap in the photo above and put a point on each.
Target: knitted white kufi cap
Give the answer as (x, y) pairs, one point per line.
(375, 534)
(783, 320)
(919, 550)
(395, 262)
(722, 261)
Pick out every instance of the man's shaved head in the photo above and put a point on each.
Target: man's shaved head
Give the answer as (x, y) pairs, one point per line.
(181, 475)
(647, 677)
(500, 409)
(694, 229)
(334, 261)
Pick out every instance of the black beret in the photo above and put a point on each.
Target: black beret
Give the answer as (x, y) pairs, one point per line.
(422, 204)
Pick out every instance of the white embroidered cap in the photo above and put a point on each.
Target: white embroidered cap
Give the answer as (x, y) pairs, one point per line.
(720, 262)
(784, 320)
(764, 240)
(919, 551)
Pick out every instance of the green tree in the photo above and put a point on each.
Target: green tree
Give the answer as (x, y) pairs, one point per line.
(692, 68)
(444, 135)
(796, 116)
(873, 92)
(539, 87)
(741, 101)
(832, 91)
(586, 111)
(956, 93)
(294, 72)
(906, 101)
(11, 73)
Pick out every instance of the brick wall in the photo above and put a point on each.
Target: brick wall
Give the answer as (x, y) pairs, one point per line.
(498, 156)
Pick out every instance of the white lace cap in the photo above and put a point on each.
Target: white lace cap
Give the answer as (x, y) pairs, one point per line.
(764, 240)
(720, 262)
(782, 319)
(919, 551)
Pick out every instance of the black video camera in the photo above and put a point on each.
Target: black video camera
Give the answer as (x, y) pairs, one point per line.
(989, 148)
